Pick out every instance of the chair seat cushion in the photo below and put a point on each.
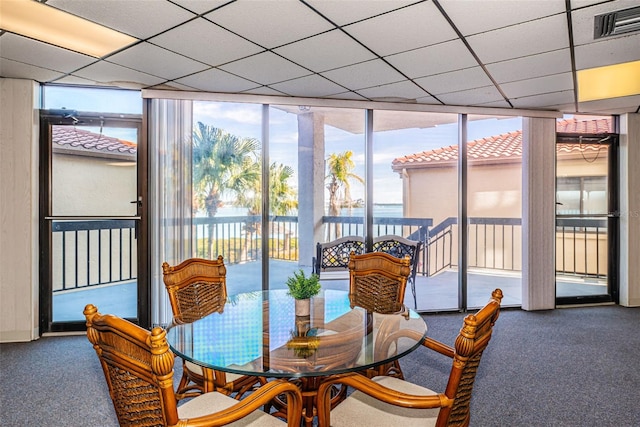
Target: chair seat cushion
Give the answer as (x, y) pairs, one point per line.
(359, 409)
(214, 402)
(197, 369)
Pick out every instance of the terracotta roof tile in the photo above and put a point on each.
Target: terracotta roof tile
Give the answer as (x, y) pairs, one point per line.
(503, 147)
(69, 136)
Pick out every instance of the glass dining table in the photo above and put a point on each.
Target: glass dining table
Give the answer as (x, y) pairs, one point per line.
(259, 334)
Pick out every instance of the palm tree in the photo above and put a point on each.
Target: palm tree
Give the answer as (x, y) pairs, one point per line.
(340, 167)
(283, 198)
(223, 165)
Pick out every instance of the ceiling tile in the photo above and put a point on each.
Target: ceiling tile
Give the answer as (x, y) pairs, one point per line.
(19, 70)
(365, 74)
(108, 73)
(264, 90)
(430, 100)
(265, 68)
(347, 11)
(472, 17)
(608, 51)
(40, 54)
(455, 80)
(612, 106)
(206, 42)
(443, 57)
(544, 100)
(394, 92)
(471, 96)
(217, 81)
(521, 40)
(495, 104)
(140, 19)
(403, 29)
(153, 60)
(554, 62)
(313, 85)
(172, 86)
(270, 23)
(553, 83)
(200, 6)
(582, 20)
(347, 95)
(75, 80)
(326, 51)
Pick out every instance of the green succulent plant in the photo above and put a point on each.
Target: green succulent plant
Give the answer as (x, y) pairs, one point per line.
(302, 286)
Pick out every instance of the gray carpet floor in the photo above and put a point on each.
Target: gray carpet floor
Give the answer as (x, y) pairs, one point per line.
(565, 367)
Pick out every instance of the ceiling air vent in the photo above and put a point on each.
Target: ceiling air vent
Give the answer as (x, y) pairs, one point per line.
(616, 23)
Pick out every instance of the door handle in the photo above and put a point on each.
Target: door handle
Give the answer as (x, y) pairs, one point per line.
(138, 202)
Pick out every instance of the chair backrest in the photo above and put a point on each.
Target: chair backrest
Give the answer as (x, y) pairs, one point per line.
(138, 367)
(470, 344)
(399, 247)
(334, 255)
(197, 287)
(377, 281)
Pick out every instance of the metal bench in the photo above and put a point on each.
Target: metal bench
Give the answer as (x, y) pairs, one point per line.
(332, 258)
(400, 247)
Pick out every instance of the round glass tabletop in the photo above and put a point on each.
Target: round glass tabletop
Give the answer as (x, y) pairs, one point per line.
(259, 333)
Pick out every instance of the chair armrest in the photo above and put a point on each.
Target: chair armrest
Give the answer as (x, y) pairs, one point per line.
(377, 391)
(438, 347)
(251, 403)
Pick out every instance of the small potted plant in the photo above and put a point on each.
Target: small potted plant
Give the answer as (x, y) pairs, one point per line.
(302, 288)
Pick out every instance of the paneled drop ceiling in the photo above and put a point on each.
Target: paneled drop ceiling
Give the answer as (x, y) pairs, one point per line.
(493, 53)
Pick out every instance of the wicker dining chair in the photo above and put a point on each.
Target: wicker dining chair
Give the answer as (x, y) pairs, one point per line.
(197, 287)
(138, 368)
(377, 283)
(386, 401)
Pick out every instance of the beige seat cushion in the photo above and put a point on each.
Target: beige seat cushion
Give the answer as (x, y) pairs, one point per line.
(360, 409)
(214, 402)
(197, 369)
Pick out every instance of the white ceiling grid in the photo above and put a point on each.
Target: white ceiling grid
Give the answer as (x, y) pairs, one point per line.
(494, 53)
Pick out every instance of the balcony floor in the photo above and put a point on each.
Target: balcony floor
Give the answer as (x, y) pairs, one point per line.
(436, 293)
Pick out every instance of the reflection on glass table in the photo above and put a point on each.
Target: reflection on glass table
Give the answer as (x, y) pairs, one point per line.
(258, 333)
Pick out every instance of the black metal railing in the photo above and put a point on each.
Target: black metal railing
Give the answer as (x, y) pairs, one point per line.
(96, 252)
(93, 252)
(581, 247)
(494, 243)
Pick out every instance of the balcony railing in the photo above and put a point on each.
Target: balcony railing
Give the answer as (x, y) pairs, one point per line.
(91, 253)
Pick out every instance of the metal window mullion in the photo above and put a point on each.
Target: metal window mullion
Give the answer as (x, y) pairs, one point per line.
(462, 212)
(88, 257)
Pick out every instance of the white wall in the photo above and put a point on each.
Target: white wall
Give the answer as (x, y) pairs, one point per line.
(18, 210)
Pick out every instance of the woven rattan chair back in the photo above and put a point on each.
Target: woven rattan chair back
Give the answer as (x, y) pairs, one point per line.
(469, 346)
(138, 367)
(197, 287)
(377, 281)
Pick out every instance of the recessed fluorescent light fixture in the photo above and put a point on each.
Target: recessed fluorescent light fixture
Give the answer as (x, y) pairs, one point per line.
(612, 81)
(50, 25)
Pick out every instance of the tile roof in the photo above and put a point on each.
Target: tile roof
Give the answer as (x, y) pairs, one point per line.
(80, 139)
(502, 148)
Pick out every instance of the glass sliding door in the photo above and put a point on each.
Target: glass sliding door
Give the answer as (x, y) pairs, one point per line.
(494, 209)
(586, 212)
(227, 187)
(415, 196)
(287, 229)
